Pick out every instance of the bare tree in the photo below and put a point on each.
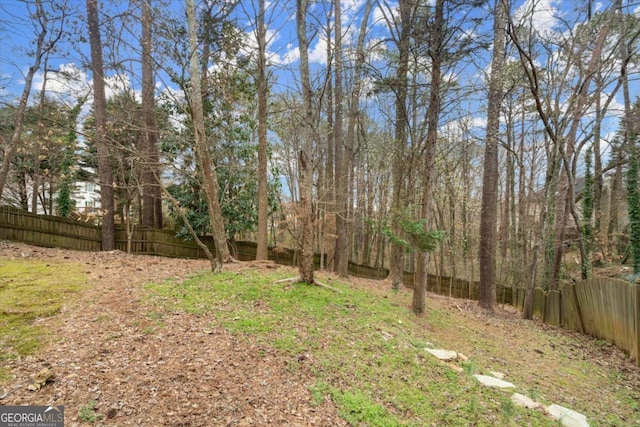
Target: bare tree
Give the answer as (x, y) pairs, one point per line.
(353, 122)
(204, 158)
(304, 160)
(43, 46)
(342, 163)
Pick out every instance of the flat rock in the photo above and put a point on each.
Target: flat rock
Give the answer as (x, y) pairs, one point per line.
(567, 417)
(524, 401)
(443, 354)
(498, 375)
(493, 381)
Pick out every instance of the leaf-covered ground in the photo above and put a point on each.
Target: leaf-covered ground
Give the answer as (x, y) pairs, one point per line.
(138, 345)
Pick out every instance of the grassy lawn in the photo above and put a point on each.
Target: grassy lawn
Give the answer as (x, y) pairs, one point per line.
(362, 348)
(366, 352)
(31, 290)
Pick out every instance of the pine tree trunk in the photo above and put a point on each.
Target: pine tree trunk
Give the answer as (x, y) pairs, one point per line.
(433, 115)
(488, 215)
(262, 250)
(150, 176)
(396, 263)
(100, 114)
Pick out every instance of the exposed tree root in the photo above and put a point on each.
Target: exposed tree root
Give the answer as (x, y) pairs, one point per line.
(298, 279)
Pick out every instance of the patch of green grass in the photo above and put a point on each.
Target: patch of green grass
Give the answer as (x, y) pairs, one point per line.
(469, 367)
(318, 392)
(89, 414)
(357, 407)
(5, 375)
(368, 352)
(30, 290)
(508, 411)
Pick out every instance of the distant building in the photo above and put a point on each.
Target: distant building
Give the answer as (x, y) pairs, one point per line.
(86, 196)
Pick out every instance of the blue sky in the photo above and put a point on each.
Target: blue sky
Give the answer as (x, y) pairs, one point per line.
(17, 33)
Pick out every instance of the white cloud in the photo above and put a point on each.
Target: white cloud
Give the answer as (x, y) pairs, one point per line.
(542, 15)
(350, 6)
(479, 122)
(463, 125)
(380, 16)
(291, 55)
(318, 53)
(69, 82)
(117, 84)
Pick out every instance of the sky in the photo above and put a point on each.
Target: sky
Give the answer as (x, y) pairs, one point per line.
(17, 35)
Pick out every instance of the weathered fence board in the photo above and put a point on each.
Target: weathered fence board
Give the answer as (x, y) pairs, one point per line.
(552, 308)
(609, 311)
(570, 309)
(538, 302)
(602, 307)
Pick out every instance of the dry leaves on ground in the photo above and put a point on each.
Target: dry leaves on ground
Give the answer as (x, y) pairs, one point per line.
(110, 360)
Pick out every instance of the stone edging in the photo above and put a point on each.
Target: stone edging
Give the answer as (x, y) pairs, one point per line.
(567, 417)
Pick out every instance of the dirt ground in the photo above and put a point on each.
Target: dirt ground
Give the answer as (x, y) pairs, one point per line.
(195, 375)
(190, 375)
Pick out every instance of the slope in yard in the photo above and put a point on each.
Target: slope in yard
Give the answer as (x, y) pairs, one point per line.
(152, 341)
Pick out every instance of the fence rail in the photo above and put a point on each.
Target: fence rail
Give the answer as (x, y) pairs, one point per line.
(605, 308)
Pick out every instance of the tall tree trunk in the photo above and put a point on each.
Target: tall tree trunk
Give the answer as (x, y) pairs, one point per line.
(328, 196)
(344, 218)
(616, 194)
(304, 160)
(35, 188)
(150, 177)
(433, 114)
(598, 179)
(488, 215)
(262, 250)
(396, 263)
(100, 114)
(206, 164)
(522, 243)
(341, 254)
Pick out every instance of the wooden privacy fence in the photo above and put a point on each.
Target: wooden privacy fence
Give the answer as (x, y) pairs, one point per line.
(53, 231)
(605, 308)
(601, 307)
(459, 288)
